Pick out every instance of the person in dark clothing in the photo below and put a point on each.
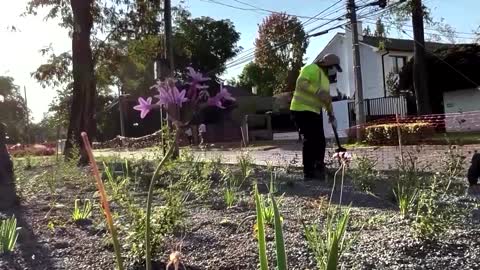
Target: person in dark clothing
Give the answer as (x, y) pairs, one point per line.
(311, 96)
(473, 173)
(311, 127)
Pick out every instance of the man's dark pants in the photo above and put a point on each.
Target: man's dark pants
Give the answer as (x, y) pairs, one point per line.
(310, 125)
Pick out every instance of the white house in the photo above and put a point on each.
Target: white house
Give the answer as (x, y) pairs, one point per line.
(377, 61)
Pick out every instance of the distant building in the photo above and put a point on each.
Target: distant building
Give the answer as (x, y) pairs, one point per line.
(379, 57)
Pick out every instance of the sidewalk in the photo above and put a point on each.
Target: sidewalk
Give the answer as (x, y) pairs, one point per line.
(290, 154)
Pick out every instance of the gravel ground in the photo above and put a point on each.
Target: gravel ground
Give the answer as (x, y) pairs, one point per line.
(214, 238)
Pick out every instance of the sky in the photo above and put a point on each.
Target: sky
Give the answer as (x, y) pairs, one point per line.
(20, 56)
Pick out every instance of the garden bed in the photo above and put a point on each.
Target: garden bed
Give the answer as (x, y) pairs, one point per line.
(213, 236)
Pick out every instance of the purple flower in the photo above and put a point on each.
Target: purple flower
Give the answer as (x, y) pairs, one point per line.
(144, 106)
(221, 96)
(197, 78)
(168, 94)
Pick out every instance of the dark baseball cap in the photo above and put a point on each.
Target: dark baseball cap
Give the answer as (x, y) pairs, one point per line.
(329, 60)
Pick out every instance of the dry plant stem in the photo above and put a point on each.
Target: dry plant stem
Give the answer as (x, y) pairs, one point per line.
(334, 183)
(148, 248)
(104, 200)
(341, 185)
(399, 134)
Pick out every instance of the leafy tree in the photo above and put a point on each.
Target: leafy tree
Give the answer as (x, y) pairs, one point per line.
(392, 84)
(399, 15)
(254, 75)
(477, 33)
(78, 17)
(449, 68)
(205, 44)
(13, 110)
(125, 41)
(367, 31)
(380, 29)
(45, 130)
(279, 48)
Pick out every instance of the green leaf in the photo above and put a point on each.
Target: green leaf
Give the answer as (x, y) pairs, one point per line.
(279, 242)
(262, 246)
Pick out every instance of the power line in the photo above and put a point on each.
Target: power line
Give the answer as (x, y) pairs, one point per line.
(273, 11)
(251, 56)
(324, 24)
(303, 24)
(327, 30)
(470, 35)
(260, 10)
(248, 56)
(376, 13)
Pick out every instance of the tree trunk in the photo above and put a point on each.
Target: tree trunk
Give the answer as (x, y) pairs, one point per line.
(8, 196)
(82, 114)
(419, 70)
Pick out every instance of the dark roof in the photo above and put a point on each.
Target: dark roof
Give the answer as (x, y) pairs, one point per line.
(238, 91)
(396, 44)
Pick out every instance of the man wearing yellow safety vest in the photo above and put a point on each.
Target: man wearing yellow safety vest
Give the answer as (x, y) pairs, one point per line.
(312, 94)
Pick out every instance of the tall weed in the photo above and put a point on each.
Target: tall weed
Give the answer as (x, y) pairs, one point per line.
(405, 197)
(8, 234)
(331, 241)
(434, 216)
(364, 175)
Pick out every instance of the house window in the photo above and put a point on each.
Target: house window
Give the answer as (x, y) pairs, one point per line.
(398, 62)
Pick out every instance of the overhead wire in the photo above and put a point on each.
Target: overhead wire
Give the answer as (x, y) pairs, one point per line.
(251, 56)
(260, 10)
(435, 32)
(448, 64)
(273, 11)
(248, 54)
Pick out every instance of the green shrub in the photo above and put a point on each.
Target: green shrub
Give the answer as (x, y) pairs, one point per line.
(450, 178)
(387, 134)
(364, 175)
(434, 216)
(330, 242)
(411, 173)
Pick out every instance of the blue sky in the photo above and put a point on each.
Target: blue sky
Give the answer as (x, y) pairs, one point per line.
(19, 54)
(464, 18)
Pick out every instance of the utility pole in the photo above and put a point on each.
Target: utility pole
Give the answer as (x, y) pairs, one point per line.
(357, 70)
(168, 36)
(419, 71)
(166, 66)
(28, 116)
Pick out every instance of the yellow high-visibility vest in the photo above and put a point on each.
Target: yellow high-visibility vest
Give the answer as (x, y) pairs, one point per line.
(308, 99)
